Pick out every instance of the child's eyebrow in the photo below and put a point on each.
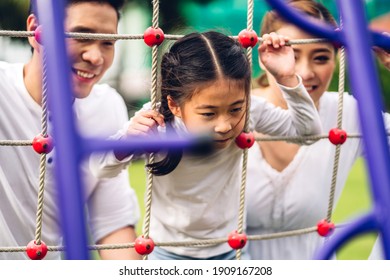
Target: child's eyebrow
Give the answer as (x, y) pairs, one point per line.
(238, 102)
(205, 106)
(241, 101)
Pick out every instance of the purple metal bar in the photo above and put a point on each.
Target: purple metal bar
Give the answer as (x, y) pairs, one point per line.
(381, 40)
(365, 86)
(191, 142)
(70, 197)
(301, 20)
(321, 29)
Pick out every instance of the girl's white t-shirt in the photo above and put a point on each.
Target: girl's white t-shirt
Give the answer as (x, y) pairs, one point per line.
(199, 200)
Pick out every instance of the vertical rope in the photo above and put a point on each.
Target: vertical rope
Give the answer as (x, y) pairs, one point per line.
(148, 194)
(246, 129)
(341, 89)
(42, 164)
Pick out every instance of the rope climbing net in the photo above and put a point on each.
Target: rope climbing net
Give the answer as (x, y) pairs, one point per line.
(43, 144)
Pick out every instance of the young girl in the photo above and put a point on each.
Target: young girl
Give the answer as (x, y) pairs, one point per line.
(205, 86)
(288, 185)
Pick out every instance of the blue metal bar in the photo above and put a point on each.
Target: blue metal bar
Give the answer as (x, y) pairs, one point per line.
(70, 197)
(365, 87)
(322, 30)
(381, 40)
(142, 144)
(362, 225)
(301, 20)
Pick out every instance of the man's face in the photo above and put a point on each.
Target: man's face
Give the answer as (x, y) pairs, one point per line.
(89, 59)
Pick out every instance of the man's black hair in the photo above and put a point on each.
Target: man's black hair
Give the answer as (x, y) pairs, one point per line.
(116, 4)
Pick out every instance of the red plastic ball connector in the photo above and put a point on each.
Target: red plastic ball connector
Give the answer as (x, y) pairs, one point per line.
(337, 136)
(247, 38)
(325, 228)
(245, 140)
(153, 36)
(35, 251)
(38, 34)
(43, 145)
(143, 246)
(237, 240)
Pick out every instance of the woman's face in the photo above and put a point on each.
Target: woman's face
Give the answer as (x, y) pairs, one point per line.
(315, 63)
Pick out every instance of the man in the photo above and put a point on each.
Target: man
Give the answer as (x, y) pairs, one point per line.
(111, 205)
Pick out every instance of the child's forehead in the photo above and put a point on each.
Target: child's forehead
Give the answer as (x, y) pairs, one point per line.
(221, 83)
(221, 91)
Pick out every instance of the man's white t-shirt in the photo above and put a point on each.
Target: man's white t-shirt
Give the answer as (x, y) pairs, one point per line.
(110, 203)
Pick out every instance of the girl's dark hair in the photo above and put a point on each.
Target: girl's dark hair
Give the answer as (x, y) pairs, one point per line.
(192, 63)
(272, 21)
(116, 4)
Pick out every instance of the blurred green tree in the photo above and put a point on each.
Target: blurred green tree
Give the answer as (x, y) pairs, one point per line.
(171, 12)
(13, 14)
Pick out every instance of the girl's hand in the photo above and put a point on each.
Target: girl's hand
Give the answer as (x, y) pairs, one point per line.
(145, 123)
(278, 59)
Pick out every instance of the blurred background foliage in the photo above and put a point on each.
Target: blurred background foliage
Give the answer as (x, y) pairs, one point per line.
(181, 16)
(13, 14)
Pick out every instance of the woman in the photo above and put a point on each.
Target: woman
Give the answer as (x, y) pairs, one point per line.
(288, 185)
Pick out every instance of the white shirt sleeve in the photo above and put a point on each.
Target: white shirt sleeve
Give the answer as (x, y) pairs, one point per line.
(300, 119)
(106, 165)
(112, 205)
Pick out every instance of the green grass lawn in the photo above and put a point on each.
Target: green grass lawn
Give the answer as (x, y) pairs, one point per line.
(137, 175)
(355, 200)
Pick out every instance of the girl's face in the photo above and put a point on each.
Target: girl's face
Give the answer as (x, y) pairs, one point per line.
(315, 63)
(219, 107)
